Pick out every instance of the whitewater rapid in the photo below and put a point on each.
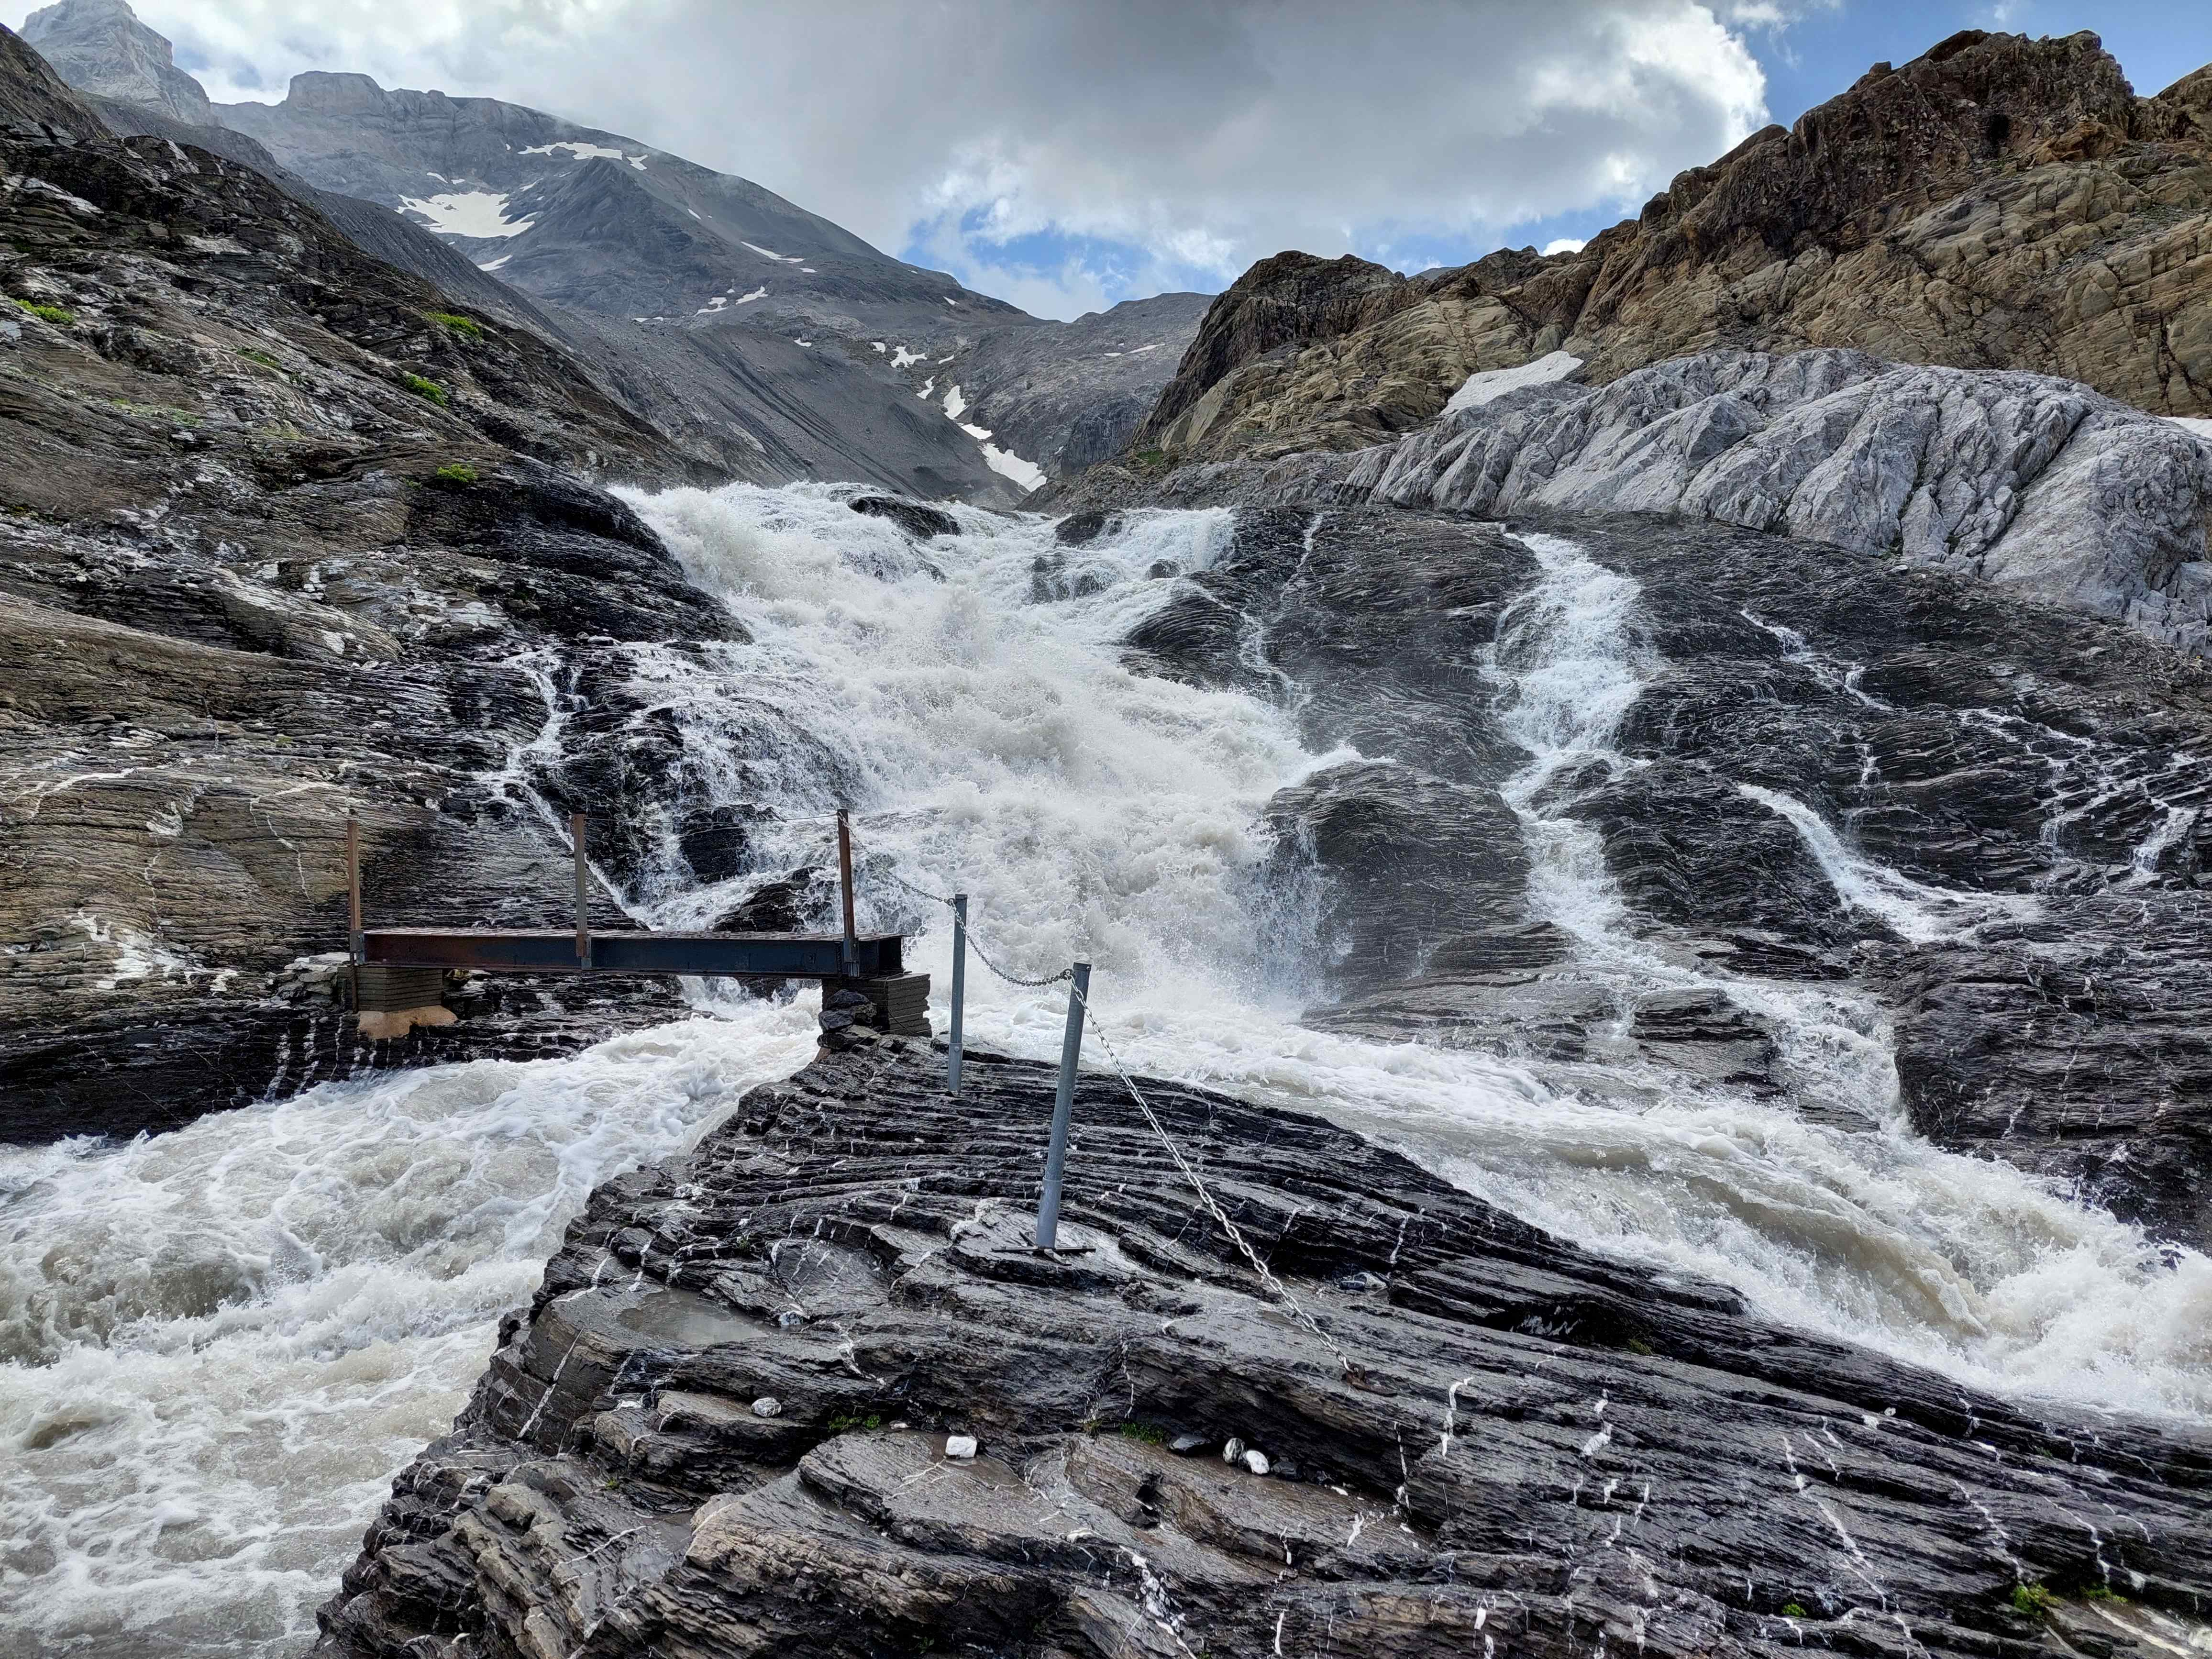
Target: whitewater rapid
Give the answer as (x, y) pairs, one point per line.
(218, 1346)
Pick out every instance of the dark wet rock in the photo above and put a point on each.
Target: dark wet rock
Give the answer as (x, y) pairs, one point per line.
(795, 903)
(918, 521)
(1534, 1443)
(1081, 529)
(2032, 770)
(1405, 859)
(253, 577)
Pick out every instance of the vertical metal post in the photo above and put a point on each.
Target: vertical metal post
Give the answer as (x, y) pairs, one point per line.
(959, 989)
(583, 891)
(1055, 1159)
(845, 883)
(355, 943)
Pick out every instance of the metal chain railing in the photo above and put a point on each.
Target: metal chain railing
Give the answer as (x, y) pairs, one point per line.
(1274, 1285)
(1011, 979)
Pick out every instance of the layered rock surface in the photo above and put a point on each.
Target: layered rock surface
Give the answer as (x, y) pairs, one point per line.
(281, 543)
(2036, 484)
(810, 1389)
(2030, 780)
(1997, 202)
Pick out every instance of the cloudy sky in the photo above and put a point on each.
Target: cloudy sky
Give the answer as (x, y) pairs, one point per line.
(1067, 153)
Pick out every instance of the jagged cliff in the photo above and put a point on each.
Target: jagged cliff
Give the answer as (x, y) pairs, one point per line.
(1998, 203)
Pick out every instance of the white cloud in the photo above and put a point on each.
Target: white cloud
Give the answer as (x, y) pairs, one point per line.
(1565, 245)
(1192, 138)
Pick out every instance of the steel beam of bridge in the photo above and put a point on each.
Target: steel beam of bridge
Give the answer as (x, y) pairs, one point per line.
(554, 951)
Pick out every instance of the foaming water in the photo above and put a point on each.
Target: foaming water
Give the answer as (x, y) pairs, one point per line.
(217, 1347)
(1128, 839)
(221, 1343)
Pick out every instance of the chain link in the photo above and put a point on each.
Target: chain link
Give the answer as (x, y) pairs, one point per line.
(1274, 1285)
(919, 892)
(1012, 979)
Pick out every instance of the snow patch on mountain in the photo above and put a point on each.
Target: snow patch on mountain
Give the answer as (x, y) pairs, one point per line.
(466, 213)
(901, 357)
(1004, 462)
(770, 253)
(1488, 385)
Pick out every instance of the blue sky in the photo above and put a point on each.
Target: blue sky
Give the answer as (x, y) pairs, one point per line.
(1068, 154)
(1805, 59)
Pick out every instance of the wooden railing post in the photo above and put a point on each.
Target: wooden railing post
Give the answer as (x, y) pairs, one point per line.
(354, 944)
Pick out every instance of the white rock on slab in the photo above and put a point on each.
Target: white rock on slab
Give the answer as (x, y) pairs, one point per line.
(1256, 1461)
(960, 1446)
(768, 1405)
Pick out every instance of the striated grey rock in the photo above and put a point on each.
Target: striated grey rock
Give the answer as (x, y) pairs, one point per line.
(2039, 485)
(2037, 769)
(253, 575)
(101, 47)
(1533, 1448)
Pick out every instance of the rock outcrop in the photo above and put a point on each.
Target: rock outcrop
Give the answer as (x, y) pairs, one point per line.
(2036, 484)
(2019, 786)
(1997, 202)
(287, 535)
(111, 54)
(811, 1390)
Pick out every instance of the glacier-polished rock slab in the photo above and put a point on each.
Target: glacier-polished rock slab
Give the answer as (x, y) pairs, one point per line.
(2032, 483)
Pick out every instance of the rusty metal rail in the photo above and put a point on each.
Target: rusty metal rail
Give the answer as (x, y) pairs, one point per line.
(554, 951)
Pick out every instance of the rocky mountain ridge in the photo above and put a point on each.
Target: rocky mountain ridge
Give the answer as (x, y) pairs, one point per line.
(287, 535)
(1997, 202)
(622, 239)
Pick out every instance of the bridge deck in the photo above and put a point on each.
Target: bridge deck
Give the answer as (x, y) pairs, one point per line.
(553, 950)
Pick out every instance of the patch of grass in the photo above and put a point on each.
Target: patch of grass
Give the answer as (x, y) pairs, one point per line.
(58, 315)
(455, 472)
(845, 1423)
(1637, 1345)
(1151, 1433)
(2104, 1593)
(1794, 1610)
(424, 388)
(165, 413)
(2033, 1600)
(1151, 457)
(455, 321)
(253, 355)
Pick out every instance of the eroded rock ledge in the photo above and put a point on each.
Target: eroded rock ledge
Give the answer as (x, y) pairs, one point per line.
(1541, 1451)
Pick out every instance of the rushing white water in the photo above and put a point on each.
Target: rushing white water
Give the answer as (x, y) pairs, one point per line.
(218, 1346)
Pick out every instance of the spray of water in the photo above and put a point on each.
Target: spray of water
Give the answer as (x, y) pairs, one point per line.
(218, 1346)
